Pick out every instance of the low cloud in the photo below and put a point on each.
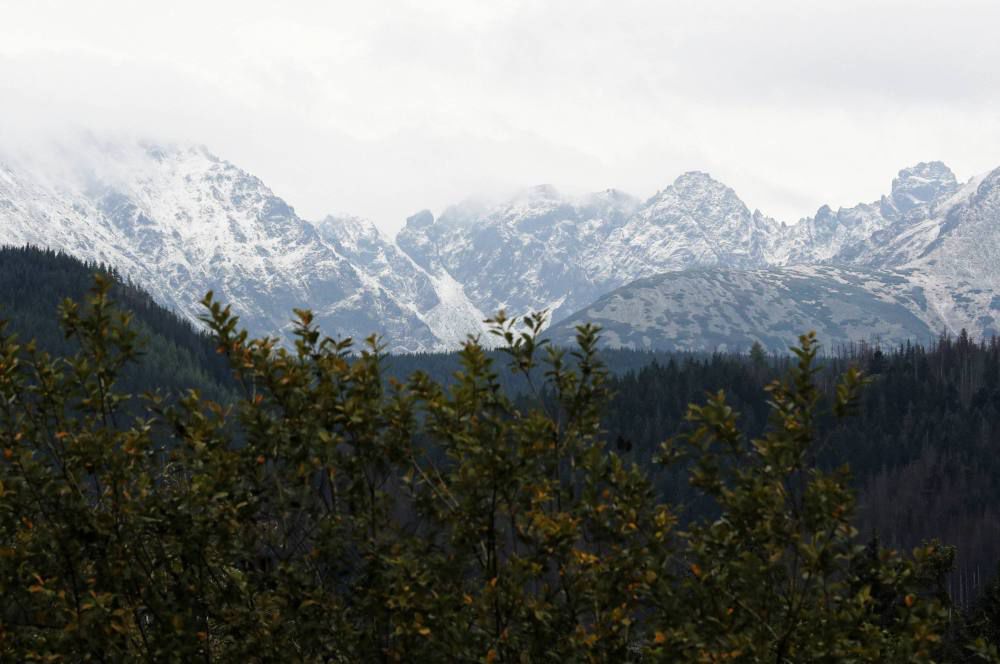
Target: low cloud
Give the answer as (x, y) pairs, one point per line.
(384, 109)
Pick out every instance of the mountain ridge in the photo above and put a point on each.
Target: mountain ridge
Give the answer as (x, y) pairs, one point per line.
(729, 310)
(181, 221)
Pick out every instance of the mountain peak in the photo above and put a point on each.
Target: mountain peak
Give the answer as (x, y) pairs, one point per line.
(347, 227)
(695, 179)
(612, 194)
(699, 186)
(921, 184)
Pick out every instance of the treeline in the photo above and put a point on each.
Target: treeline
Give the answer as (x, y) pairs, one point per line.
(442, 366)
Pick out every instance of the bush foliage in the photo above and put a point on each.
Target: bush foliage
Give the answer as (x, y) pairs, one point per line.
(328, 516)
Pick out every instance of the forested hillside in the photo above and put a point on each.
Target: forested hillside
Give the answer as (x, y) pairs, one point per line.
(34, 283)
(923, 448)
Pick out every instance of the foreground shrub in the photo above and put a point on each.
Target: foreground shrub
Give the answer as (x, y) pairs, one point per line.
(327, 516)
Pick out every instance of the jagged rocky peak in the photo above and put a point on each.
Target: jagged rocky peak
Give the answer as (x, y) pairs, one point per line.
(921, 185)
(347, 226)
(989, 185)
(698, 192)
(610, 202)
(828, 220)
(696, 180)
(161, 152)
(466, 212)
(181, 221)
(613, 194)
(701, 184)
(350, 234)
(418, 239)
(702, 204)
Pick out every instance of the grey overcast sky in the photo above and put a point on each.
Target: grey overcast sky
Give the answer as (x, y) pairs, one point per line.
(382, 108)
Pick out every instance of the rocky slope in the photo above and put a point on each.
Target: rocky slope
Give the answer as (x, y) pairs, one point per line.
(728, 310)
(955, 255)
(945, 236)
(180, 221)
(859, 234)
(437, 300)
(941, 238)
(539, 250)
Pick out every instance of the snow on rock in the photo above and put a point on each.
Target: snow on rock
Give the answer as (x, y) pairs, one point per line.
(723, 309)
(539, 250)
(533, 251)
(435, 298)
(181, 221)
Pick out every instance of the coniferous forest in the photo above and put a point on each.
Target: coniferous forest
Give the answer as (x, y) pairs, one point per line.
(922, 448)
(323, 502)
(34, 282)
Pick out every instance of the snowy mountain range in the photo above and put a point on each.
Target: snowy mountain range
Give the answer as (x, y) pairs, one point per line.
(690, 267)
(930, 247)
(181, 221)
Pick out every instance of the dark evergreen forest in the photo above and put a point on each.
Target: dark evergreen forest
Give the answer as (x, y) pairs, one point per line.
(34, 283)
(923, 448)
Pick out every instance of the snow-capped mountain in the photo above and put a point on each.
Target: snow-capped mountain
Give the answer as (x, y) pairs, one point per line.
(695, 222)
(536, 250)
(857, 234)
(944, 235)
(436, 298)
(955, 255)
(917, 263)
(181, 221)
(539, 250)
(931, 234)
(722, 309)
